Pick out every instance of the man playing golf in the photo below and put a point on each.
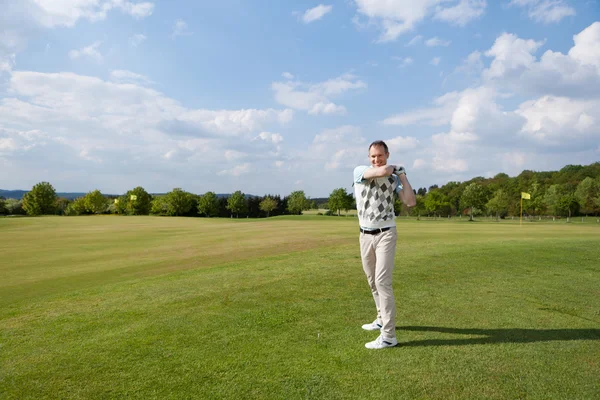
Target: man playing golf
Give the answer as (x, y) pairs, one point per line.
(374, 189)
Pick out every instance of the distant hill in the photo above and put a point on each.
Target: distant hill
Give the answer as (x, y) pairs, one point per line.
(18, 194)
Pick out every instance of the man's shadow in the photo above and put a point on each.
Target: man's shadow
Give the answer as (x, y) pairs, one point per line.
(494, 336)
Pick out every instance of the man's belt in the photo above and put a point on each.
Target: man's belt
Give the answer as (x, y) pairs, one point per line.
(374, 231)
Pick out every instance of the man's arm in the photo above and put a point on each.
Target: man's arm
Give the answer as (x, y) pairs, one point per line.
(378, 172)
(407, 195)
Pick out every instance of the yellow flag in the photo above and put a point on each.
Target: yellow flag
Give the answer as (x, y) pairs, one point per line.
(116, 201)
(526, 196)
(133, 197)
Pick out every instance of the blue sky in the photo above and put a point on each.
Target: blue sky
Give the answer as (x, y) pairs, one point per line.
(272, 96)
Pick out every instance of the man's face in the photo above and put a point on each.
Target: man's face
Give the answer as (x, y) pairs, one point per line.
(378, 156)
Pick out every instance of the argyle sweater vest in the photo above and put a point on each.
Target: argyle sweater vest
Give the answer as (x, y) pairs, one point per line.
(375, 202)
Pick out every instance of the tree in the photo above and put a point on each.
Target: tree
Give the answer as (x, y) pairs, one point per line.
(551, 198)
(536, 203)
(61, 205)
(138, 201)
(40, 200)
(208, 204)
(419, 208)
(179, 202)
(95, 202)
(77, 207)
(474, 196)
(499, 203)
(236, 203)
(14, 207)
(159, 206)
(3, 209)
(297, 202)
(339, 200)
(587, 191)
(267, 205)
(568, 205)
(436, 202)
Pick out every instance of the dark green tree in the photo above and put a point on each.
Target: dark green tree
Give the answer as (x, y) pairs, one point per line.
(297, 202)
(208, 204)
(138, 201)
(41, 200)
(339, 200)
(159, 206)
(499, 203)
(76, 207)
(179, 202)
(436, 203)
(236, 203)
(587, 191)
(474, 196)
(267, 205)
(95, 202)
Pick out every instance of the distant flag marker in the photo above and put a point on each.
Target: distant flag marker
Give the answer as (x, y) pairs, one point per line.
(525, 196)
(116, 201)
(133, 197)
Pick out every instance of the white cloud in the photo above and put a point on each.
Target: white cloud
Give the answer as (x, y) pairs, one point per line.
(401, 144)
(560, 121)
(546, 11)
(435, 116)
(124, 76)
(237, 170)
(404, 61)
(462, 13)
(338, 148)
(587, 46)
(287, 75)
(575, 74)
(395, 18)
(472, 65)
(435, 61)
(125, 134)
(7, 62)
(315, 98)
(180, 28)
(274, 138)
(90, 51)
(137, 39)
(327, 108)
(232, 155)
(435, 41)
(50, 13)
(414, 41)
(419, 163)
(511, 55)
(316, 13)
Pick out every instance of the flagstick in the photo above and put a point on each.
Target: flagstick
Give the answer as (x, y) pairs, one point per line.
(521, 218)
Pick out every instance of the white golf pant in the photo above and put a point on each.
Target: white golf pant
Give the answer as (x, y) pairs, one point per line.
(377, 254)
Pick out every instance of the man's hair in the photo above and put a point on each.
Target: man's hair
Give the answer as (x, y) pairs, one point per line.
(379, 143)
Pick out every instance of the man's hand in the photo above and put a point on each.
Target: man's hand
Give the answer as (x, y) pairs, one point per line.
(399, 170)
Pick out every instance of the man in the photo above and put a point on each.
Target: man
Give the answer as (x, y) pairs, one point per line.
(374, 188)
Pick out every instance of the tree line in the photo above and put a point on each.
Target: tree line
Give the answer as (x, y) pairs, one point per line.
(42, 200)
(574, 190)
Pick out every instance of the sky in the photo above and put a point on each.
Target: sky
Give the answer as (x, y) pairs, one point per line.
(270, 96)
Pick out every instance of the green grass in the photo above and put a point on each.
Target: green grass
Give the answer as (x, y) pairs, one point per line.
(185, 308)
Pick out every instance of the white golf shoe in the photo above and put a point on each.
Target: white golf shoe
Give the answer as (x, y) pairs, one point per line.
(381, 343)
(373, 326)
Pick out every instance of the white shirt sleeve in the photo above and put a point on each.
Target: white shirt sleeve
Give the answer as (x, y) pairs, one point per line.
(400, 187)
(359, 172)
